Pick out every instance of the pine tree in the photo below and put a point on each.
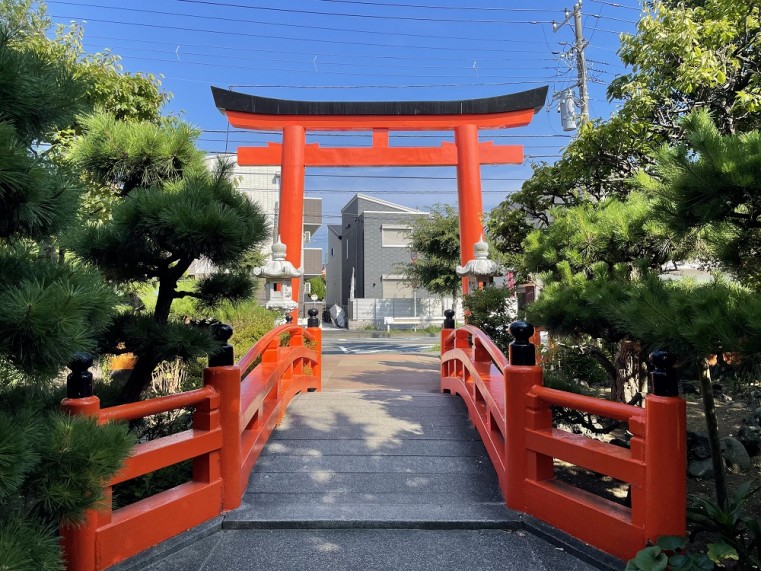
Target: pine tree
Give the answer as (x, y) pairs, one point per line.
(171, 210)
(52, 467)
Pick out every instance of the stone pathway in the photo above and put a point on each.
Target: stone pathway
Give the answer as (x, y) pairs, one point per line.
(379, 471)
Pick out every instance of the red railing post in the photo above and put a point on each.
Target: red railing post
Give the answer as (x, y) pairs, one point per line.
(78, 541)
(521, 375)
(447, 341)
(224, 376)
(313, 326)
(665, 451)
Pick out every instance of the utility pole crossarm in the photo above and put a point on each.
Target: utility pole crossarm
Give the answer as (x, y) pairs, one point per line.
(581, 64)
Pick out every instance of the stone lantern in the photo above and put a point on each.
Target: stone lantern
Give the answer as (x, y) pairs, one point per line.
(480, 271)
(278, 273)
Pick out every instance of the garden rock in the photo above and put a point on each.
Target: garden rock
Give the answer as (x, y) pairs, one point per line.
(698, 446)
(735, 455)
(750, 436)
(702, 469)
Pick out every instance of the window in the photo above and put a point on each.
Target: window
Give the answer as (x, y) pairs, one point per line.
(395, 236)
(307, 288)
(331, 253)
(347, 249)
(395, 286)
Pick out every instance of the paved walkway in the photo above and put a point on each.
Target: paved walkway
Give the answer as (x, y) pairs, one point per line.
(379, 471)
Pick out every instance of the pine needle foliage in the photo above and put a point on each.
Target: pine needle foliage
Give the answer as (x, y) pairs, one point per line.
(172, 210)
(127, 155)
(52, 467)
(621, 234)
(710, 187)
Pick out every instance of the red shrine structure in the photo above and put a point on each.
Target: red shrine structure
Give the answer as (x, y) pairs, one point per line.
(295, 118)
(241, 403)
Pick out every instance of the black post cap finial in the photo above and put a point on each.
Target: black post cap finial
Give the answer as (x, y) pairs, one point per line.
(79, 381)
(663, 378)
(289, 318)
(313, 321)
(449, 319)
(522, 351)
(223, 357)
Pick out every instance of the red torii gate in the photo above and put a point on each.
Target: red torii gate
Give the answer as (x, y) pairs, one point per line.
(294, 118)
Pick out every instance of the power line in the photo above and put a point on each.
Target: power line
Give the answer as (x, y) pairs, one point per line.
(265, 23)
(322, 63)
(525, 79)
(273, 37)
(432, 7)
(615, 5)
(395, 17)
(313, 53)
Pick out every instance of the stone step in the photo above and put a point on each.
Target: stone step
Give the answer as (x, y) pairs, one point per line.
(366, 515)
(370, 550)
(332, 482)
(339, 497)
(339, 431)
(374, 464)
(375, 447)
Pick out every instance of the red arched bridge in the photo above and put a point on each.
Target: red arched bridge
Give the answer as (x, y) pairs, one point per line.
(242, 403)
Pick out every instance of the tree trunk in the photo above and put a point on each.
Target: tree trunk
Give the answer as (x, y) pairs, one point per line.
(712, 426)
(628, 382)
(139, 379)
(164, 300)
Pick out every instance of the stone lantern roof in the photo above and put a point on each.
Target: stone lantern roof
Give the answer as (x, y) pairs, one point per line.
(278, 266)
(481, 265)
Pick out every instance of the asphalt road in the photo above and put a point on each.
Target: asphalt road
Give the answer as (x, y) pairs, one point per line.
(335, 344)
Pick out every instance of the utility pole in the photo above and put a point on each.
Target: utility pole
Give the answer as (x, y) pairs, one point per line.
(581, 64)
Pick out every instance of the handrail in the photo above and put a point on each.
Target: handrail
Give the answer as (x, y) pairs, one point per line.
(141, 409)
(496, 355)
(513, 415)
(233, 419)
(261, 345)
(584, 403)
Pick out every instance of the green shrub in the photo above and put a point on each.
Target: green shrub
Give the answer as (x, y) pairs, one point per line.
(488, 310)
(250, 322)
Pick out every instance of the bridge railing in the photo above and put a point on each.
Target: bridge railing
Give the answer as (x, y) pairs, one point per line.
(235, 413)
(513, 413)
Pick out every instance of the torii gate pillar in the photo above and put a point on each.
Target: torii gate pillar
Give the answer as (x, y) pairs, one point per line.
(295, 118)
(469, 200)
(290, 221)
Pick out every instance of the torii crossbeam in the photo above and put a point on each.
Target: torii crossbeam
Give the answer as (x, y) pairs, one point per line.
(295, 118)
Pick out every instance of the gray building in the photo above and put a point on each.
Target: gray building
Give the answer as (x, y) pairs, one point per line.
(365, 250)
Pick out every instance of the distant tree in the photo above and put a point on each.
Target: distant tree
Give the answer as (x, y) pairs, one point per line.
(52, 466)
(684, 55)
(170, 211)
(436, 240)
(317, 287)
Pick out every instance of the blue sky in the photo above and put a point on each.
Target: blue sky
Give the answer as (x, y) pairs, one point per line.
(363, 50)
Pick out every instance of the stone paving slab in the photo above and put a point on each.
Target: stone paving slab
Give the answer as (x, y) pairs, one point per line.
(403, 515)
(333, 482)
(338, 497)
(338, 431)
(375, 446)
(285, 464)
(317, 501)
(372, 550)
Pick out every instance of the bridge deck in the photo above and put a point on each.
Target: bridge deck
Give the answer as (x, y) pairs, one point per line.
(366, 475)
